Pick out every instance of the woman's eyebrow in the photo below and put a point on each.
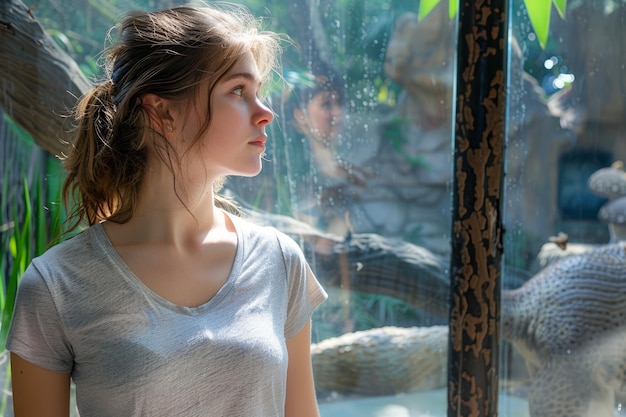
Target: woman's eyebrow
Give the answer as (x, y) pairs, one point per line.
(246, 75)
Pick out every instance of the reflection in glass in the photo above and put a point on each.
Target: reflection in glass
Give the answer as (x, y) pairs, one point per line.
(564, 310)
(359, 161)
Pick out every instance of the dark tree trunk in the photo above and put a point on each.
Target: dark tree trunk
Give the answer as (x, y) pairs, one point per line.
(477, 217)
(40, 82)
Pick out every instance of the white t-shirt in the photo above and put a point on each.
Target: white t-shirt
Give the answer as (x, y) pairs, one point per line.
(131, 352)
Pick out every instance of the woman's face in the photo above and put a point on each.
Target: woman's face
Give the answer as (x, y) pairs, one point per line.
(321, 118)
(234, 143)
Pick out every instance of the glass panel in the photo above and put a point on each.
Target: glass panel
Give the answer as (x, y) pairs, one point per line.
(360, 162)
(358, 172)
(563, 331)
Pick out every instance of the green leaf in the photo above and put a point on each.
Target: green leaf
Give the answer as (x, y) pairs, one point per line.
(539, 14)
(426, 6)
(40, 219)
(453, 8)
(13, 246)
(538, 11)
(56, 223)
(560, 5)
(25, 236)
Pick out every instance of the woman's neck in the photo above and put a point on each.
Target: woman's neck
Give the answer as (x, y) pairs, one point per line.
(167, 213)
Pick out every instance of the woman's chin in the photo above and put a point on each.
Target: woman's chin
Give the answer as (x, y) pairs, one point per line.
(251, 171)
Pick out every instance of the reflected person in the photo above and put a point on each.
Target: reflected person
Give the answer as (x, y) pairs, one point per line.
(326, 182)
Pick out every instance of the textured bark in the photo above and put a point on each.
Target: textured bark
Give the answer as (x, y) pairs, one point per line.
(477, 218)
(40, 82)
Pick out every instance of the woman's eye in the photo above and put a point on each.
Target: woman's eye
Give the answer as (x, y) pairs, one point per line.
(238, 91)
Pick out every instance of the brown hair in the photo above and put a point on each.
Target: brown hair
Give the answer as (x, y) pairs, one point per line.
(167, 53)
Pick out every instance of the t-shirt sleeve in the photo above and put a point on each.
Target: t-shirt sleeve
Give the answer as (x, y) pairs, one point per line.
(36, 334)
(304, 290)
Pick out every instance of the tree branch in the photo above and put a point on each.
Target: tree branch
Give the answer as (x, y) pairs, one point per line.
(40, 82)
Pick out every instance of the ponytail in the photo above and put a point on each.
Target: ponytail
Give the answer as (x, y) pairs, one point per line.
(106, 161)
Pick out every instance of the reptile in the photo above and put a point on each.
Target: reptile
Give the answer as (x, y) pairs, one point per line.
(569, 324)
(568, 321)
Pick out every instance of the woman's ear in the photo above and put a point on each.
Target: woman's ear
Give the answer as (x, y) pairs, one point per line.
(159, 112)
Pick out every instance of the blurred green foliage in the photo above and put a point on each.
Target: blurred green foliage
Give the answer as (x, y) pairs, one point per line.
(30, 211)
(356, 33)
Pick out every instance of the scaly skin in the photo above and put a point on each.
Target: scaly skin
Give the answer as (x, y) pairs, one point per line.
(569, 324)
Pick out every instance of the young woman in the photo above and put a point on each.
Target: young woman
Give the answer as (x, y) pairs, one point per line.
(167, 305)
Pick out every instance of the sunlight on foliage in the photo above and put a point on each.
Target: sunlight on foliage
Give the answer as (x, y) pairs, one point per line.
(538, 12)
(560, 7)
(426, 6)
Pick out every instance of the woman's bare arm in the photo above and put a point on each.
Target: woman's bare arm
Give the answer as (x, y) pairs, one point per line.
(301, 401)
(38, 391)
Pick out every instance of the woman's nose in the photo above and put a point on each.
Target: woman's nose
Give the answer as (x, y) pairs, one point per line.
(264, 115)
(337, 110)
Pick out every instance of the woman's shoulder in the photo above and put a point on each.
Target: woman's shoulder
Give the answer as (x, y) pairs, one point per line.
(76, 244)
(77, 252)
(57, 269)
(266, 234)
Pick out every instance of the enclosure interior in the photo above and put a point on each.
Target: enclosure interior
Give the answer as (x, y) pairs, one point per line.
(359, 171)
